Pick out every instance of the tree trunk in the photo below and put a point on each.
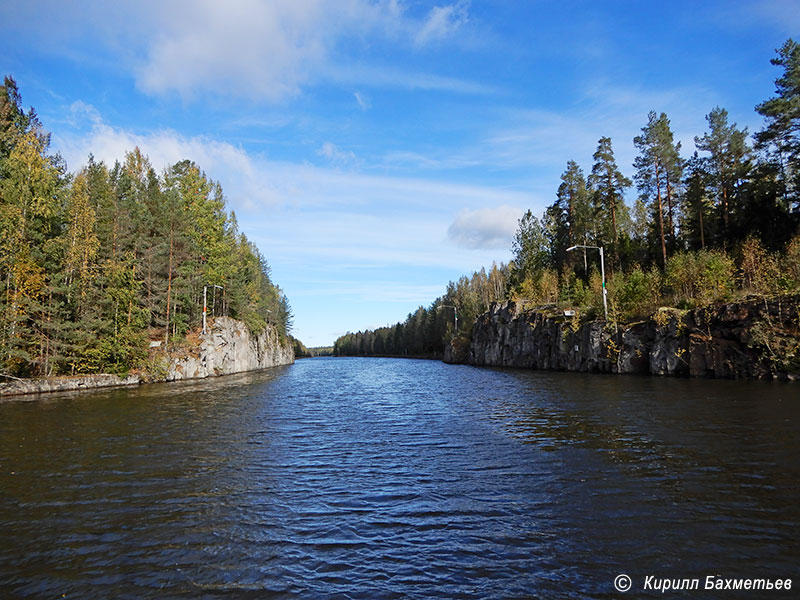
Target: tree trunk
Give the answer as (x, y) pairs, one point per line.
(702, 236)
(661, 219)
(169, 284)
(613, 205)
(570, 221)
(130, 300)
(670, 222)
(725, 219)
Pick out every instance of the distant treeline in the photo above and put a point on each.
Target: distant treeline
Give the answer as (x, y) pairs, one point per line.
(95, 264)
(300, 351)
(718, 224)
(423, 332)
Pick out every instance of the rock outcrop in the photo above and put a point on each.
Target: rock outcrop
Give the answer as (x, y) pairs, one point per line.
(750, 339)
(228, 348)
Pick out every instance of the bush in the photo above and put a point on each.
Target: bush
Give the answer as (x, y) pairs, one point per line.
(760, 272)
(595, 291)
(790, 265)
(639, 293)
(700, 278)
(574, 291)
(540, 287)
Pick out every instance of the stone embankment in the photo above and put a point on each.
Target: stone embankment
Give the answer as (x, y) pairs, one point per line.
(227, 348)
(751, 339)
(65, 384)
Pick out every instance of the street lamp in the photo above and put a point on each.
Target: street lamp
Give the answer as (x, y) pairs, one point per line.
(205, 303)
(602, 272)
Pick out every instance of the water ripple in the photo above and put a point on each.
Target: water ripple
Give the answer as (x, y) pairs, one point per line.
(376, 478)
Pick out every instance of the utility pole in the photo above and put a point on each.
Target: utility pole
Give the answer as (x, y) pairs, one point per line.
(602, 273)
(205, 304)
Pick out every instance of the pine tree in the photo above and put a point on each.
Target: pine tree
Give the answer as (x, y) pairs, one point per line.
(726, 166)
(658, 175)
(781, 136)
(14, 121)
(607, 187)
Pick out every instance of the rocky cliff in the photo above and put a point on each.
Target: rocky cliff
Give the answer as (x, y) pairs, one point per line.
(750, 339)
(228, 348)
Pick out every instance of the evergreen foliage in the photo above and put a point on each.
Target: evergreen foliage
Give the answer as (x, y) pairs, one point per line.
(780, 138)
(425, 331)
(94, 265)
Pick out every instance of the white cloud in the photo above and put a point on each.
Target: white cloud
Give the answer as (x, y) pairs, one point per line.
(220, 160)
(363, 101)
(782, 15)
(375, 291)
(244, 49)
(80, 113)
(247, 48)
(389, 77)
(398, 216)
(442, 22)
(336, 155)
(485, 228)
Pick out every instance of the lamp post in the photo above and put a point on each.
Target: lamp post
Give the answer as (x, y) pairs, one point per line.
(602, 272)
(455, 314)
(205, 304)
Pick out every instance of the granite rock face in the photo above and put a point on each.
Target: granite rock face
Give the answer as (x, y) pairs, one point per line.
(506, 336)
(750, 339)
(228, 348)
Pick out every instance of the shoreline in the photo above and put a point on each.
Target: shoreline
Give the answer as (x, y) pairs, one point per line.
(227, 349)
(67, 383)
(751, 339)
(30, 389)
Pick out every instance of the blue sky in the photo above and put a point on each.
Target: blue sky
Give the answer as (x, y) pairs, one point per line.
(375, 150)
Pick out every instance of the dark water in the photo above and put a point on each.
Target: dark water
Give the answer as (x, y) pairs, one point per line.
(378, 478)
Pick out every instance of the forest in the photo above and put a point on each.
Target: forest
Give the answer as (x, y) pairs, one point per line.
(99, 265)
(715, 223)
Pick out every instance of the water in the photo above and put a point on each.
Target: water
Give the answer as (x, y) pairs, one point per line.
(380, 478)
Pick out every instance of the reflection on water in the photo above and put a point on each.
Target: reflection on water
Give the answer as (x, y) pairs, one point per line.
(378, 478)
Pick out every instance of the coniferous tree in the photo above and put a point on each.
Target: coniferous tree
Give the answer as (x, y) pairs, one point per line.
(530, 247)
(781, 136)
(607, 187)
(89, 267)
(726, 166)
(30, 213)
(658, 175)
(697, 225)
(569, 219)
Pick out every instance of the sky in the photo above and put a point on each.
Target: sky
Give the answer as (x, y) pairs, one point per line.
(376, 149)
